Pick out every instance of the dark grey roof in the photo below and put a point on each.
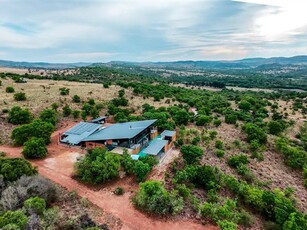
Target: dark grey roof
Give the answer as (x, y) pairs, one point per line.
(98, 119)
(79, 132)
(168, 133)
(120, 131)
(155, 147)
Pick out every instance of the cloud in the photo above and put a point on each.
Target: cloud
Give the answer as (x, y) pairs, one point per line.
(151, 30)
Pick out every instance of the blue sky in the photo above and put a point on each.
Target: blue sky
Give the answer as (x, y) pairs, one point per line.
(151, 30)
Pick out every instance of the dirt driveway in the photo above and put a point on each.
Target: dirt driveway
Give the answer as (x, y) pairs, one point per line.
(58, 167)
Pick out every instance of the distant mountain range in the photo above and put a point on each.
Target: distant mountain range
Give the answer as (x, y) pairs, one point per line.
(41, 65)
(247, 63)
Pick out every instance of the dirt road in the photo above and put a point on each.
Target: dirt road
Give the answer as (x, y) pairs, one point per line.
(58, 167)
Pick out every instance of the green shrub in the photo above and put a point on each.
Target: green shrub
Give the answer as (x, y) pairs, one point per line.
(141, 170)
(66, 111)
(76, 114)
(275, 127)
(98, 166)
(203, 120)
(9, 89)
(191, 153)
(203, 176)
(20, 96)
(237, 160)
(19, 116)
(35, 148)
(305, 176)
(153, 198)
(212, 134)
(220, 153)
(217, 122)
(255, 133)
(119, 191)
(35, 204)
(219, 144)
(49, 115)
(76, 99)
(37, 128)
(231, 118)
(227, 225)
(13, 168)
(64, 91)
(13, 218)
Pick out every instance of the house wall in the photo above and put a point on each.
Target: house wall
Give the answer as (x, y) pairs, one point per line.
(92, 145)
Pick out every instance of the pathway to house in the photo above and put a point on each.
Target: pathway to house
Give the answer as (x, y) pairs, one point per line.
(58, 167)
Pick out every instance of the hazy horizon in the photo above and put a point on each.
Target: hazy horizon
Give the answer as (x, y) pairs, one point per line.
(142, 31)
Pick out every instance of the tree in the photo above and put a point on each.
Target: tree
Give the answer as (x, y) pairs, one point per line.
(94, 112)
(35, 148)
(76, 99)
(9, 89)
(13, 168)
(37, 128)
(231, 118)
(98, 166)
(76, 114)
(20, 96)
(66, 111)
(203, 120)
(141, 170)
(275, 127)
(19, 116)
(49, 115)
(255, 133)
(127, 162)
(153, 198)
(182, 117)
(191, 153)
(83, 115)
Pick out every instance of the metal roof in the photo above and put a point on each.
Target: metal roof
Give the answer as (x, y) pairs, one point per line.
(79, 132)
(125, 130)
(155, 147)
(98, 119)
(168, 133)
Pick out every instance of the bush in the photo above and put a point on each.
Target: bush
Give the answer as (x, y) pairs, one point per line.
(35, 148)
(237, 160)
(153, 198)
(203, 176)
(255, 133)
(35, 204)
(9, 89)
(127, 162)
(226, 225)
(203, 120)
(231, 118)
(37, 128)
(219, 144)
(49, 115)
(141, 170)
(64, 91)
(76, 114)
(119, 191)
(76, 99)
(275, 127)
(17, 220)
(217, 122)
(191, 153)
(20, 96)
(220, 153)
(66, 111)
(13, 168)
(19, 116)
(98, 166)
